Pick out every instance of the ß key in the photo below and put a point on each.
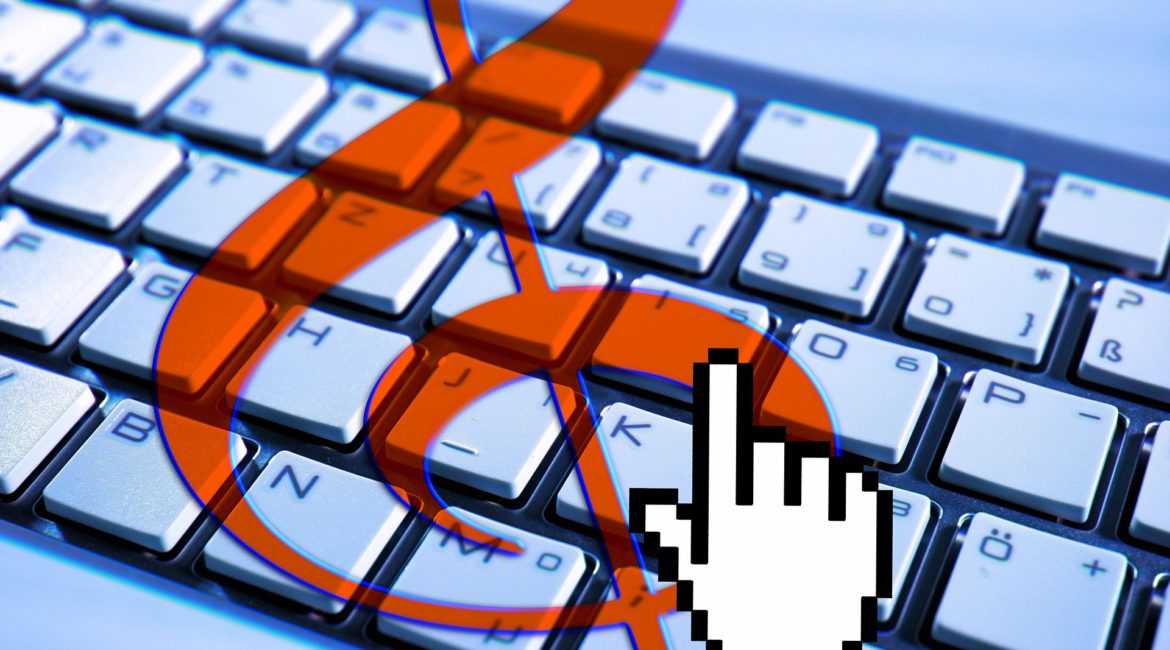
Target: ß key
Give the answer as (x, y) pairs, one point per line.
(50, 279)
(96, 174)
(1003, 418)
(1128, 348)
(667, 213)
(1009, 310)
(340, 520)
(957, 186)
(1151, 514)
(822, 254)
(37, 409)
(123, 70)
(1066, 591)
(122, 481)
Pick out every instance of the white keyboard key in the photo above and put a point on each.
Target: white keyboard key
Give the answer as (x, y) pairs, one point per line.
(23, 129)
(390, 282)
(644, 450)
(340, 520)
(955, 185)
(123, 70)
(552, 185)
(210, 202)
(302, 31)
(37, 409)
(878, 421)
(1151, 514)
(248, 103)
(31, 37)
(191, 17)
(749, 312)
(1128, 348)
(667, 213)
(319, 373)
(1107, 223)
(1066, 591)
(487, 276)
(397, 48)
(822, 254)
(1003, 418)
(96, 174)
(50, 279)
(122, 482)
(1009, 310)
(360, 108)
(125, 335)
(805, 147)
(669, 115)
(676, 626)
(496, 443)
(447, 568)
(911, 515)
(1162, 634)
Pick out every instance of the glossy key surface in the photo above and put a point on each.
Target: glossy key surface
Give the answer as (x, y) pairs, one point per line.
(1127, 347)
(669, 115)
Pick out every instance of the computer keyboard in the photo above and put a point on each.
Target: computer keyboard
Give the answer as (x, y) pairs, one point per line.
(984, 310)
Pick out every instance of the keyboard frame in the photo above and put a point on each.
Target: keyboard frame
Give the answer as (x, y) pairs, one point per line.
(1044, 155)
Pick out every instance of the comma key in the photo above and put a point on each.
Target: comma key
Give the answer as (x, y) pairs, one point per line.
(1066, 591)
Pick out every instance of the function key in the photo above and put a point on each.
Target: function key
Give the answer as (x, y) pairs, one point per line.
(190, 17)
(955, 185)
(301, 31)
(530, 82)
(1106, 223)
(397, 48)
(669, 115)
(808, 148)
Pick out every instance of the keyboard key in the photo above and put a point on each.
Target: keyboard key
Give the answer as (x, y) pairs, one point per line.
(122, 482)
(1004, 417)
(497, 442)
(1162, 634)
(957, 186)
(124, 71)
(359, 108)
(50, 279)
(318, 374)
(37, 409)
(878, 421)
(549, 187)
(302, 31)
(1009, 311)
(191, 17)
(392, 278)
(1127, 347)
(530, 82)
(822, 254)
(125, 336)
(23, 129)
(669, 115)
(487, 276)
(1106, 223)
(341, 520)
(1066, 591)
(624, 345)
(31, 37)
(96, 174)
(216, 198)
(644, 450)
(667, 213)
(911, 514)
(397, 48)
(447, 568)
(676, 626)
(808, 148)
(247, 103)
(1151, 515)
(396, 153)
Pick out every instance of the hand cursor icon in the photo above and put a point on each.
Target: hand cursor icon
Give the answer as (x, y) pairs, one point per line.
(784, 545)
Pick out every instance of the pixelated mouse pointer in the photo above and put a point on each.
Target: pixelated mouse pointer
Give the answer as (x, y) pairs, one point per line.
(784, 544)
